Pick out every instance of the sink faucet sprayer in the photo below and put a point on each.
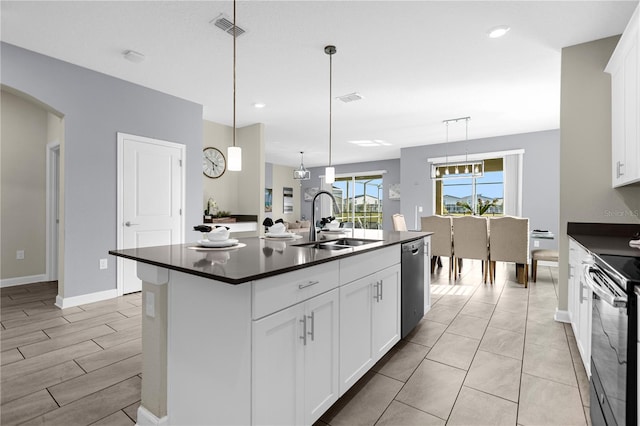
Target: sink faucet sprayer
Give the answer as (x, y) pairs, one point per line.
(336, 208)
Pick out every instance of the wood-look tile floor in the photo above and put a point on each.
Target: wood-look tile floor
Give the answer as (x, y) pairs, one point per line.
(75, 366)
(484, 354)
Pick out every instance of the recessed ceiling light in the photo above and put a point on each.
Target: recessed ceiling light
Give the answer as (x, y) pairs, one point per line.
(259, 105)
(498, 31)
(133, 56)
(351, 97)
(370, 143)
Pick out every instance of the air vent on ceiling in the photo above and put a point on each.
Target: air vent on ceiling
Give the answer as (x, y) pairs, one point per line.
(226, 25)
(351, 97)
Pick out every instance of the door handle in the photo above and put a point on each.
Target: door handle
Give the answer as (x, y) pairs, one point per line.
(304, 330)
(127, 223)
(380, 289)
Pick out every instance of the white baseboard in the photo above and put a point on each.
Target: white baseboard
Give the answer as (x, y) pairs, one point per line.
(547, 263)
(68, 302)
(10, 282)
(562, 316)
(147, 418)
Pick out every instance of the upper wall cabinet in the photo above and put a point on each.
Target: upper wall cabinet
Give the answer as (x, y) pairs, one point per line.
(625, 105)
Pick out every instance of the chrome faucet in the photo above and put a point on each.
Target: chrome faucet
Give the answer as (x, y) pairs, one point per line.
(336, 208)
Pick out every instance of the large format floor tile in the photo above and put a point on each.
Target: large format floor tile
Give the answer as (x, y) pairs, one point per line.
(546, 402)
(365, 402)
(495, 374)
(454, 350)
(478, 408)
(401, 414)
(549, 363)
(401, 361)
(503, 342)
(433, 388)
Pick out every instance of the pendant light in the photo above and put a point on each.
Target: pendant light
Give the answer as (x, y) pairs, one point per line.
(234, 153)
(330, 171)
(301, 173)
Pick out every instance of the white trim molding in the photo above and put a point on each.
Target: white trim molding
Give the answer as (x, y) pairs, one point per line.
(562, 316)
(147, 418)
(10, 282)
(68, 302)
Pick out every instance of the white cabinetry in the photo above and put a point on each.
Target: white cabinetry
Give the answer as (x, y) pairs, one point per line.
(625, 105)
(579, 299)
(295, 362)
(295, 350)
(369, 315)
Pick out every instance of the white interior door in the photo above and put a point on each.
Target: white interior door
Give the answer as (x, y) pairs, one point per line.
(150, 199)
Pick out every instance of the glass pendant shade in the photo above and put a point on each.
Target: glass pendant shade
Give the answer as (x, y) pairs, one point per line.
(234, 157)
(330, 175)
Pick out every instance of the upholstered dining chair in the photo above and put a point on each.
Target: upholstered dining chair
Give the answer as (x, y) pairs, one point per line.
(471, 241)
(398, 222)
(509, 242)
(442, 238)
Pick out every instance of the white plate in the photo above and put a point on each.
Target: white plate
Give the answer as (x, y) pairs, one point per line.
(282, 235)
(227, 243)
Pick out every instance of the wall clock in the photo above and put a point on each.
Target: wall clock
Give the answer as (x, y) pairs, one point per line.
(213, 162)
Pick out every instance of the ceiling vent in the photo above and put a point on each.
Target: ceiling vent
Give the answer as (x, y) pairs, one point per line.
(351, 97)
(226, 25)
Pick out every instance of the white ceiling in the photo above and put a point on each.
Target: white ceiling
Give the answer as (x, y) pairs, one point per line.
(416, 63)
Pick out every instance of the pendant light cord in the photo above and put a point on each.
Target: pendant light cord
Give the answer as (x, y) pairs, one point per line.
(235, 30)
(330, 100)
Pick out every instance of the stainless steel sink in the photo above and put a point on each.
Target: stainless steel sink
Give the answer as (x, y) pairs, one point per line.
(339, 244)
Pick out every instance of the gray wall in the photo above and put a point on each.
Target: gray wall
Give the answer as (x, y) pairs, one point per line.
(585, 154)
(95, 108)
(540, 175)
(390, 207)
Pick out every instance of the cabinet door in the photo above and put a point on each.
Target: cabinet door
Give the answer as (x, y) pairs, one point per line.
(356, 357)
(321, 354)
(278, 374)
(386, 311)
(583, 338)
(617, 127)
(631, 112)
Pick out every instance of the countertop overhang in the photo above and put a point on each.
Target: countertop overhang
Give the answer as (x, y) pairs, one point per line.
(260, 258)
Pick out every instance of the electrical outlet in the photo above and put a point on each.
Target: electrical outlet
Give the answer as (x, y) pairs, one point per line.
(536, 243)
(420, 209)
(20, 255)
(103, 264)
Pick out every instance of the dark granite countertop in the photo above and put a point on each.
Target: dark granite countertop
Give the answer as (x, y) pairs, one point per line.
(605, 238)
(260, 258)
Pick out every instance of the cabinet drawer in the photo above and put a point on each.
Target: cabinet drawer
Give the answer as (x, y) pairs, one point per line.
(364, 264)
(278, 292)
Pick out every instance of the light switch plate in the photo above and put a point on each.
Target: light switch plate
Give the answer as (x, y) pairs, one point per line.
(536, 243)
(20, 255)
(103, 264)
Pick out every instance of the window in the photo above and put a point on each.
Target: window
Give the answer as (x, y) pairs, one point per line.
(360, 201)
(464, 196)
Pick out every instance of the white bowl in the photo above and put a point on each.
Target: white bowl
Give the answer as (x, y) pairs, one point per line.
(278, 228)
(332, 225)
(218, 234)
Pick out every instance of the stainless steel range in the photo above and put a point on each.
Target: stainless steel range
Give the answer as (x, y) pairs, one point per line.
(614, 334)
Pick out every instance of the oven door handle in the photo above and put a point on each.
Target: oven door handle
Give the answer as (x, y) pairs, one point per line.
(604, 294)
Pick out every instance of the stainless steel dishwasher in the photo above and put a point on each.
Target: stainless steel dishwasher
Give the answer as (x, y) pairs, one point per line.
(412, 277)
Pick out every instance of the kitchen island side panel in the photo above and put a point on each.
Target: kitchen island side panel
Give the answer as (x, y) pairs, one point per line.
(209, 327)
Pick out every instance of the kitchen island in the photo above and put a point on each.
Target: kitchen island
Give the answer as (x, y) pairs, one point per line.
(270, 333)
